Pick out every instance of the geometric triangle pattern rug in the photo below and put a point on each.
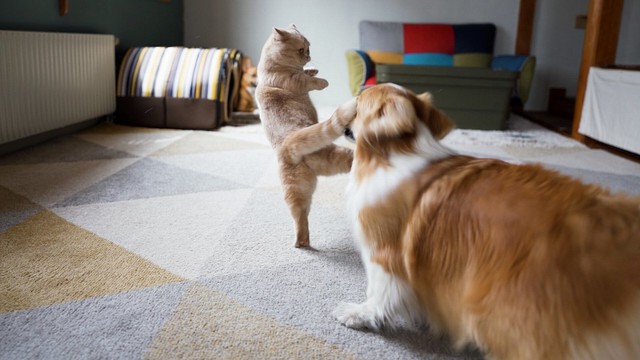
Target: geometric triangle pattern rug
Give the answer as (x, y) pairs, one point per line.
(126, 242)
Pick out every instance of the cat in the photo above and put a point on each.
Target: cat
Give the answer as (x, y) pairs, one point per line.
(286, 109)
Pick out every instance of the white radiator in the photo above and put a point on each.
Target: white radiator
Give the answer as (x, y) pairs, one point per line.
(50, 81)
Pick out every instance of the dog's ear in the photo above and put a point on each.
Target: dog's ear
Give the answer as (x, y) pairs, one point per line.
(392, 118)
(438, 122)
(247, 63)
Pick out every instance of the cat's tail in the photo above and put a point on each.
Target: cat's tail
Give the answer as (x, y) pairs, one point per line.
(313, 138)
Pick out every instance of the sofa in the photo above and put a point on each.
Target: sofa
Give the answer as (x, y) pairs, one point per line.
(455, 62)
(178, 87)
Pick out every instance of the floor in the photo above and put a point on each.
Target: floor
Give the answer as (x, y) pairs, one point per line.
(564, 125)
(557, 123)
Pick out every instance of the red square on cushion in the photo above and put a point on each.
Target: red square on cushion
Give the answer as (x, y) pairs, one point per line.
(426, 38)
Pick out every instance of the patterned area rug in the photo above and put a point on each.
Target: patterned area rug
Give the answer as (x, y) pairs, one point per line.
(123, 242)
(511, 138)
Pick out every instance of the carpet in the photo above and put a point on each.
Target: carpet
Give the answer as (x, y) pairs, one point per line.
(124, 242)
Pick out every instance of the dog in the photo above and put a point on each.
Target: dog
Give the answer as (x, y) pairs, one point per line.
(248, 83)
(518, 260)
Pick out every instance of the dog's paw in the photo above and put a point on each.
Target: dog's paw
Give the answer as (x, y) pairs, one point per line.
(356, 316)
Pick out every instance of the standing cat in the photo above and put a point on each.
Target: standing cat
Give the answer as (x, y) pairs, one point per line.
(285, 108)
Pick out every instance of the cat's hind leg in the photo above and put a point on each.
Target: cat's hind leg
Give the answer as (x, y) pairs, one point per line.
(299, 183)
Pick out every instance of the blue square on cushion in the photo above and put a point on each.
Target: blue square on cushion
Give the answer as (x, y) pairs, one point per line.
(509, 62)
(474, 38)
(433, 59)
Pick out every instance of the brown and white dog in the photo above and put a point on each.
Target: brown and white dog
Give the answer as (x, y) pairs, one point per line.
(521, 261)
(248, 83)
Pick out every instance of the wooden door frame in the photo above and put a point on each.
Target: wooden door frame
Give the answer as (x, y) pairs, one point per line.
(599, 46)
(526, 15)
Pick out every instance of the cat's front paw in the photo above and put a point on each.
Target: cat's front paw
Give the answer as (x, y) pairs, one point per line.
(311, 72)
(356, 316)
(346, 112)
(322, 83)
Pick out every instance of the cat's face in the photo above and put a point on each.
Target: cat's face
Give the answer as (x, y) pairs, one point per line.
(291, 46)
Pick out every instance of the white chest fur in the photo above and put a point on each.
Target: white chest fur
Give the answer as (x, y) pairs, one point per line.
(388, 297)
(382, 181)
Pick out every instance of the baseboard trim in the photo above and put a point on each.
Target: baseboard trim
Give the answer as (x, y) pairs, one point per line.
(32, 140)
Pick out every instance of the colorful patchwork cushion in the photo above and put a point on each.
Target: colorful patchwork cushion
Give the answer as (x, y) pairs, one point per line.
(478, 60)
(434, 59)
(474, 38)
(361, 70)
(428, 38)
(524, 65)
(453, 45)
(465, 45)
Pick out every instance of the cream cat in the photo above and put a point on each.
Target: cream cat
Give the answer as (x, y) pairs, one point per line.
(286, 109)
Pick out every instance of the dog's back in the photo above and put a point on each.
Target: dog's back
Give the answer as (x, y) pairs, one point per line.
(517, 259)
(525, 262)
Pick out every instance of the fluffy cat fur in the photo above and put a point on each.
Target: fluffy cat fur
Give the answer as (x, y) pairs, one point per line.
(286, 108)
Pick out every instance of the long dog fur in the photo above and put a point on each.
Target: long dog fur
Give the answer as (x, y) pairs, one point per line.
(521, 261)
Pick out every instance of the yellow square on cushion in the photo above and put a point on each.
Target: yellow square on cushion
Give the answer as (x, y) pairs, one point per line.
(385, 57)
(480, 60)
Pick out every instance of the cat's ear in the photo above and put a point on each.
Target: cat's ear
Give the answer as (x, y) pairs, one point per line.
(280, 34)
(293, 27)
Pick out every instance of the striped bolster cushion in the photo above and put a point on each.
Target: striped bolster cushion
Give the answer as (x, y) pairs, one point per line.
(177, 72)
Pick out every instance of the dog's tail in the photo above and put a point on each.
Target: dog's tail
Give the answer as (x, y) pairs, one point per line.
(315, 137)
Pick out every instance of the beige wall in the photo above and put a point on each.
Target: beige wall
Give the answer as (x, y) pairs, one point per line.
(557, 45)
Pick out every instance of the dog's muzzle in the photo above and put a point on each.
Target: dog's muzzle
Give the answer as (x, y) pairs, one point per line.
(349, 135)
